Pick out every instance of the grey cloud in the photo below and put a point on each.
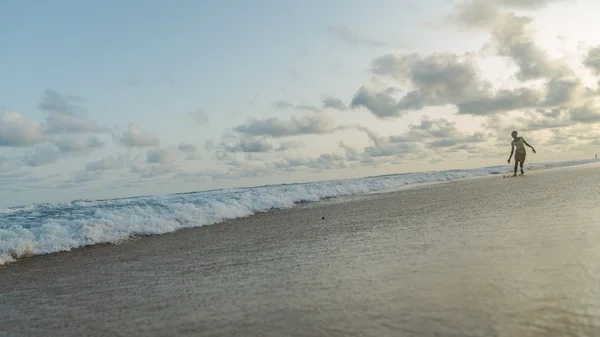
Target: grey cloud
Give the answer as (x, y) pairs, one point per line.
(249, 144)
(333, 103)
(513, 40)
(530, 4)
(54, 102)
(488, 13)
(107, 163)
(288, 145)
(283, 105)
(18, 131)
(86, 176)
(476, 13)
(351, 37)
(586, 114)
(437, 79)
(511, 36)
(431, 133)
(321, 163)
(443, 132)
(79, 177)
(563, 91)
(556, 93)
(504, 100)
(199, 116)
(209, 145)
(187, 148)
(317, 123)
(163, 156)
(382, 104)
(78, 144)
(153, 170)
(351, 154)
(64, 124)
(42, 155)
(136, 137)
(592, 60)
(190, 150)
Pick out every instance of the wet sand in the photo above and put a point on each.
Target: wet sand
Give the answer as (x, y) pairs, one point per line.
(479, 257)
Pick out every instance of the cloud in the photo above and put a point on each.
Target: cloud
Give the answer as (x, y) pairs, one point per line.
(512, 39)
(382, 104)
(503, 100)
(248, 144)
(79, 177)
(437, 79)
(586, 114)
(54, 102)
(42, 155)
(529, 4)
(63, 124)
(199, 116)
(18, 131)
(333, 103)
(283, 105)
(288, 145)
(489, 13)
(353, 38)
(167, 155)
(317, 123)
(321, 163)
(592, 60)
(136, 137)
(78, 144)
(430, 134)
(511, 36)
(152, 171)
(475, 13)
(107, 163)
(190, 150)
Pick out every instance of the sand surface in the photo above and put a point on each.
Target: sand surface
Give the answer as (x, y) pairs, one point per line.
(479, 257)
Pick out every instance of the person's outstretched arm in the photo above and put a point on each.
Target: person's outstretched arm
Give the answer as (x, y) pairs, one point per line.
(532, 149)
(512, 150)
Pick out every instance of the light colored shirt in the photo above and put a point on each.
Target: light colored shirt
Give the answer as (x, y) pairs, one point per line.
(519, 143)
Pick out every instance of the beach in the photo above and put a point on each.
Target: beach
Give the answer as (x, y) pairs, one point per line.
(474, 257)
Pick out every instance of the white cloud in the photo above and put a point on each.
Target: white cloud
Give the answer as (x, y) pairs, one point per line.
(136, 137)
(78, 144)
(167, 155)
(317, 123)
(107, 163)
(18, 131)
(42, 155)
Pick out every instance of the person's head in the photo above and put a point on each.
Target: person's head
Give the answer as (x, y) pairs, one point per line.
(514, 134)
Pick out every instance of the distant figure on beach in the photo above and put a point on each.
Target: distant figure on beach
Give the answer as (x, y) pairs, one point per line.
(520, 154)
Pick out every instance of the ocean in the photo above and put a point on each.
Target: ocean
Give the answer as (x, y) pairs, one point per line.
(49, 228)
(391, 256)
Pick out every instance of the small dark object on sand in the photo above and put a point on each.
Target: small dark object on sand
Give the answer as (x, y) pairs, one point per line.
(323, 218)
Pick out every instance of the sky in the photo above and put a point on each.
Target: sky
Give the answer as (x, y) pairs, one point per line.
(123, 98)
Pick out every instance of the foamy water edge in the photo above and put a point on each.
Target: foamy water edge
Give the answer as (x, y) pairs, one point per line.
(49, 228)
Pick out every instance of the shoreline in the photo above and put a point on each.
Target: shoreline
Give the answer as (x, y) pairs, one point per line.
(461, 258)
(298, 205)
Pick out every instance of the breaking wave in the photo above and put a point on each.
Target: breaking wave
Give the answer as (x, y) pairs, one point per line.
(48, 228)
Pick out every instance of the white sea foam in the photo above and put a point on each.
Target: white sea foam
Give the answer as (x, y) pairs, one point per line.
(47, 228)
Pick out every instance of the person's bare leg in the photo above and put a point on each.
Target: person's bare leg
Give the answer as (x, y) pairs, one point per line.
(516, 165)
